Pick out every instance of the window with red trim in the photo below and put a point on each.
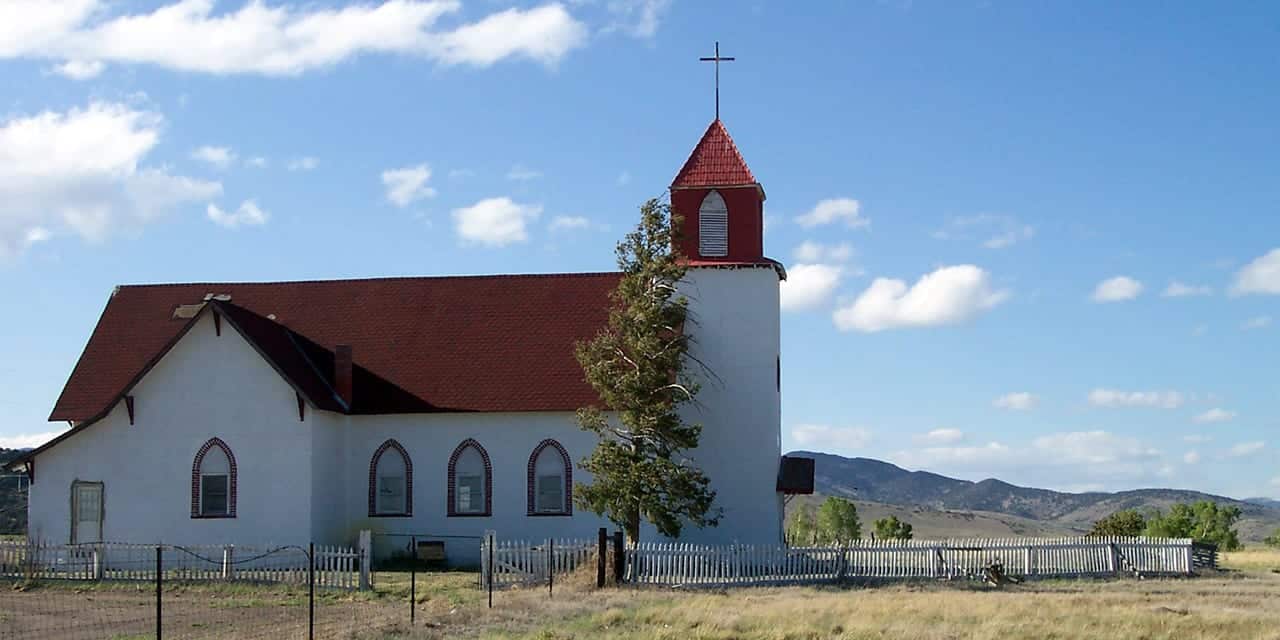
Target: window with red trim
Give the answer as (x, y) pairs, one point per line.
(213, 481)
(470, 481)
(391, 481)
(550, 480)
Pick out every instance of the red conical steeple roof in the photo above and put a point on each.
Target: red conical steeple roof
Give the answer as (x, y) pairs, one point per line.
(715, 162)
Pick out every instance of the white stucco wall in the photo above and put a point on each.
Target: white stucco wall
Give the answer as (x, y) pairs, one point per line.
(309, 481)
(430, 439)
(206, 386)
(736, 333)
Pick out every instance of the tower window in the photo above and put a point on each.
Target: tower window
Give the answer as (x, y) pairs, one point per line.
(713, 226)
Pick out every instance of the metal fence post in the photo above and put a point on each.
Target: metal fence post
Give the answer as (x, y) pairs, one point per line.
(311, 591)
(551, 567)
(602, 548)
(413, 578)
(159, 584)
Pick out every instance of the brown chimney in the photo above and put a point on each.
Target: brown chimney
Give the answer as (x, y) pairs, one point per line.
(342, 373)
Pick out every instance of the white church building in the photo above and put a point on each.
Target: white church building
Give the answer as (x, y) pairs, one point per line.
(441, 407)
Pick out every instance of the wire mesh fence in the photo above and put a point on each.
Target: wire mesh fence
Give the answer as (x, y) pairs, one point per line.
(120, 592)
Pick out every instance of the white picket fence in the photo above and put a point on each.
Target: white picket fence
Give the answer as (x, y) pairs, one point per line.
(335, 566)
(675, 564)
(520, 562)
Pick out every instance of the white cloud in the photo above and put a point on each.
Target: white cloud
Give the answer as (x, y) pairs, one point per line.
(1214, 415)
(939, 437)
(992, 453)
(1178, 289)
(218, 157)
(543, 34)
(1112, 399)
(1191, 457)
(494, 222)
(1093, 447)
(831, 439)
(1260, 276)
(624, 179)
(1007, 230)
(249, 215)
(1009, 238)
(1199, 330)
(636, 18)
(407, 185)
(1197, 439)
(83, 170)
(27, 440)
(522, 173)
(187, 35)
(845, 210)
(810, 251)
(1275, 482)
(1017, 401)
(1245, 449)
(305, 163)
(79, 69)
(564, 223)
(1117, 289)
(257, 162)
(809, 285)
(459, 174)
(1256, 322)
(946, 296)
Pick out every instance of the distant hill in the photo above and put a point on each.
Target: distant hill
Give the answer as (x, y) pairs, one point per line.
(13, 507)
(993, 505)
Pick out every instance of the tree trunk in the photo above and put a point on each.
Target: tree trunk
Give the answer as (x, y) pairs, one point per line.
(633, 526)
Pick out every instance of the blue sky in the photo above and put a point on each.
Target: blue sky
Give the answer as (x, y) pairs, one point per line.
(1038, 241)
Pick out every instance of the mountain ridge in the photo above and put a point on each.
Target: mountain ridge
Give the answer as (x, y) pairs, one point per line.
(876, 481)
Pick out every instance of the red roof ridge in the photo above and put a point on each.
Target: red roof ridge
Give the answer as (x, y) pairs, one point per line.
(490, 276)
(715, 162)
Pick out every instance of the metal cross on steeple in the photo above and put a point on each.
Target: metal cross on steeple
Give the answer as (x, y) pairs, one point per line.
(717, 59)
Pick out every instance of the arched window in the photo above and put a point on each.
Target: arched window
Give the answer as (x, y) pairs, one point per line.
(550, 480)
(390, 481)
(713, 226)
(470, 480)
(213, 481)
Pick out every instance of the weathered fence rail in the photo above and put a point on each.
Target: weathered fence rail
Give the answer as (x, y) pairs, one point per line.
(520, 562)
(677, 564)
(693, 565)
(335, 567)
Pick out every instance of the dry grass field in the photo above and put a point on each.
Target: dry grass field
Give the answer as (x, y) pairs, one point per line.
(1240, 602)
(1243, 601)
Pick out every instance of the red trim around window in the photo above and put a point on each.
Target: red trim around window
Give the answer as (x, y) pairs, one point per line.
(568, 480)
(231, 481)
(488, 481)
(373, 481)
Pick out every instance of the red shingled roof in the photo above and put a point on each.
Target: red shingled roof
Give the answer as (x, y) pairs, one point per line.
(715, 162)
(478, 343)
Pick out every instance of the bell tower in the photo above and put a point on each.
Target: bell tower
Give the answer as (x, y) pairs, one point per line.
(720, 204)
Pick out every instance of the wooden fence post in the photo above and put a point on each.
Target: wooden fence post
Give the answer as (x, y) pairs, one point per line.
(619, 558)
(602, 550)
(228, 562)
(365, 549)
(97, 561)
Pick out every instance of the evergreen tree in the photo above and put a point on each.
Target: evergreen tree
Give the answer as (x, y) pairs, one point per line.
(637, 366)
